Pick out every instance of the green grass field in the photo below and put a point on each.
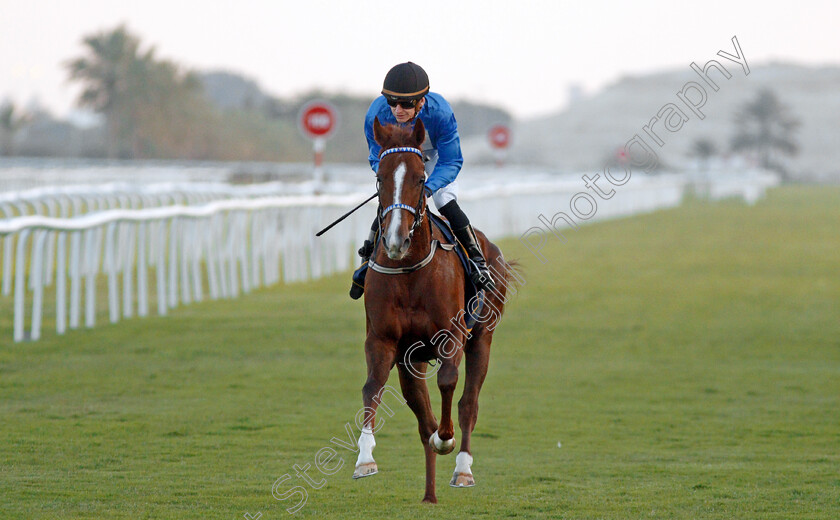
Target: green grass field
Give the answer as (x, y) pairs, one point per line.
(682, 364)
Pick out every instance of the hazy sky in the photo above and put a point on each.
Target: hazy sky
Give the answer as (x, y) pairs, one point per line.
(520, 55)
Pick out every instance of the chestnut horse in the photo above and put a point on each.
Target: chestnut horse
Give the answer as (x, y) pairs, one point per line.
(414, 296)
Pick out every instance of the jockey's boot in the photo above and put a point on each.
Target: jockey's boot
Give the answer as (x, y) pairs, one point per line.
(481, 275)
(357, 289)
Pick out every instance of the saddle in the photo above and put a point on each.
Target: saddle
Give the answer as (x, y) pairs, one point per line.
(471, 292)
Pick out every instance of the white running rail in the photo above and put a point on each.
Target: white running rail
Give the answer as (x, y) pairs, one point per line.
(227, 246)
(230, 240)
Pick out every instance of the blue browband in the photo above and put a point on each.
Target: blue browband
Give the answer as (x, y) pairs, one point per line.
(400, 205)
(401, 149)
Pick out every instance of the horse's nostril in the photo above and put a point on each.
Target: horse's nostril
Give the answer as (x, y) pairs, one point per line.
(406, 244)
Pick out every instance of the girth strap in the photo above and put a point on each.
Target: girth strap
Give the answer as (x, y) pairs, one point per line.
(416, 267)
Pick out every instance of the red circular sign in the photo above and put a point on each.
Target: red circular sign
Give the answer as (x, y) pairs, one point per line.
(318, 119)
(499, 136)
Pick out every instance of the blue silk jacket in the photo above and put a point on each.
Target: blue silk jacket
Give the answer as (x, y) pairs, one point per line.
(440, 123)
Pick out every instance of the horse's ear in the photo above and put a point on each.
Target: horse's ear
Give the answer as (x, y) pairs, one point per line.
(419, 133)
(380, 134)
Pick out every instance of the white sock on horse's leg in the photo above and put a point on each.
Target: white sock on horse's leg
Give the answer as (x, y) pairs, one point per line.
(463, 477)
(463, 462)
(365, 465)
(366, 445)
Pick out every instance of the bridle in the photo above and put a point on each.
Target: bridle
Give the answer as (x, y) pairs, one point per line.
(418, 211)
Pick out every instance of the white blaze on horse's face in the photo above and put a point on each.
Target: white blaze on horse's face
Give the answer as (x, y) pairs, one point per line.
(396, 240)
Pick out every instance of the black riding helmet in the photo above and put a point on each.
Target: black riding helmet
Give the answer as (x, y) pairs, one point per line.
(404, 82)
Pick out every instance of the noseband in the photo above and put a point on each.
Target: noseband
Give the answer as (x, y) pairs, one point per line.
(415, 211)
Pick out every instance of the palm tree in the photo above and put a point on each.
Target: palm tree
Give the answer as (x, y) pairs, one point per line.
(151, 107)
(109, 71)
(765, 127)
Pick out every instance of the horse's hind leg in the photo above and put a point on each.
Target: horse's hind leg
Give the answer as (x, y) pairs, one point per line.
(477, 361)
(416, 394)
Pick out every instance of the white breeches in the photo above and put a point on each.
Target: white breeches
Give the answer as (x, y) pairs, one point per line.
(446, 194)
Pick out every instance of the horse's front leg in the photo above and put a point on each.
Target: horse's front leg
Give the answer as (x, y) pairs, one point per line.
(443, 440)
(380, 356)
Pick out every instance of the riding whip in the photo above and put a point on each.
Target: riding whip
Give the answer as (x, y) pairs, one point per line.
(346, 215)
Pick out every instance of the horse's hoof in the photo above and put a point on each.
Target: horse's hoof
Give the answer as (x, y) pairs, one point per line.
(365, 470)
(441, 447)
(462, 480)
(429, 500)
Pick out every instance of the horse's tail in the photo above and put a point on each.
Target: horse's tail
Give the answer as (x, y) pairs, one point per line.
(512, 278)
(513, 274)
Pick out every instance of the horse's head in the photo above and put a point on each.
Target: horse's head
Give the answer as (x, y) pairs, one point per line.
(400, 180)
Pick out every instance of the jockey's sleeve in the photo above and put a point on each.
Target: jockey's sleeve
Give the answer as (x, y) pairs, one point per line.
(450, 160)
(373, 146)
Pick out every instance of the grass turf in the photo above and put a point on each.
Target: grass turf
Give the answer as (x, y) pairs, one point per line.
(682, 364)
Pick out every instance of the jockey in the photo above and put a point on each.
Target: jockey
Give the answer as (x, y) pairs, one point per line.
(405, 96)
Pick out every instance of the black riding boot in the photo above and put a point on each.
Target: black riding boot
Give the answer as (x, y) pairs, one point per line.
(466, 235)
(357, 289)
(481, 276)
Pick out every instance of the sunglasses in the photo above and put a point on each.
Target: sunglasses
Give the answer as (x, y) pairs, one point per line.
(406, 104)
